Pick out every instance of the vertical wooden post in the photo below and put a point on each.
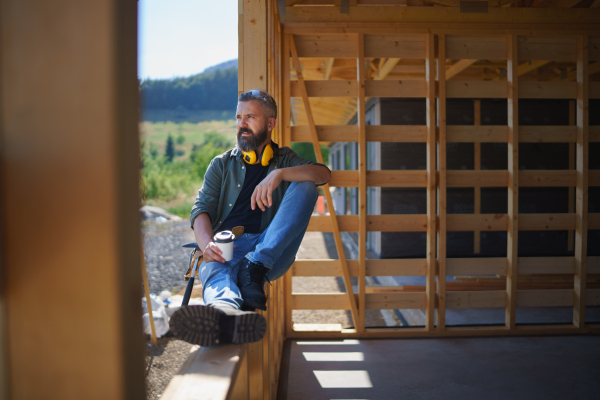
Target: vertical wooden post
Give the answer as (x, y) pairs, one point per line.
(431, 181)
(286, 117)
(582, 182)
(253, 74)
(572, 154)
(362, 182)
(147, 292)
(441, 192)
(69, 130)
(254, 43)
(477, 167)
(513, 181)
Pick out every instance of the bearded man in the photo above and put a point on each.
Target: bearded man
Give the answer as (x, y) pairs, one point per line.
(271, 193)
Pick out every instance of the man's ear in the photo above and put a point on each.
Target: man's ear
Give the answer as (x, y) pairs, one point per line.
(272, 123)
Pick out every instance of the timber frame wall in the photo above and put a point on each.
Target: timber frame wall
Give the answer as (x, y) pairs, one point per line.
(327, 34)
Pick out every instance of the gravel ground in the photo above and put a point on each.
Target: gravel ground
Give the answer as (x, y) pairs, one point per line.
(166, 262)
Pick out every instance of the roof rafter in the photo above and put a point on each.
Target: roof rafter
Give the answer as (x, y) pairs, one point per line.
(458, 67)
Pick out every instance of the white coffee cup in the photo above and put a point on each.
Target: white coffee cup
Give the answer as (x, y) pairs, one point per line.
(224, 241)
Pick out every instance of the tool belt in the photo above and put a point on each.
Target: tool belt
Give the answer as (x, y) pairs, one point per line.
(197, 253)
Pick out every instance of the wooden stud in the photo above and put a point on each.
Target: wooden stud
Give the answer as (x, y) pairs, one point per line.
(362, 181)
(334, 222)
(477, 167)
(147, 292)
(431, 182)
(286, 141)
(513, 181)
(255, 45)
(441, 188)
(572, 151)
(581, 202)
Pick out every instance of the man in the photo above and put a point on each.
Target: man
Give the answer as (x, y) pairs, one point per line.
(271, 193)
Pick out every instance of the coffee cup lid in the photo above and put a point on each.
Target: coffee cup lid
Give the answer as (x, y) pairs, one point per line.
(224, 237)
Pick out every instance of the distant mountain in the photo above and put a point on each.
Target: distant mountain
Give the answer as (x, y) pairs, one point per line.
(223, 65)
(213, 89)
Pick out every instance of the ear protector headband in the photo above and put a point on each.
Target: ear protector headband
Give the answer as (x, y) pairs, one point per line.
(265, 156)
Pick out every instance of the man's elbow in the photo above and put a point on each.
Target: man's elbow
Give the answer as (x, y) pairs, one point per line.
(325, 176)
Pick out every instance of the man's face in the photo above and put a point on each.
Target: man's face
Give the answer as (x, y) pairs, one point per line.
(254, 129)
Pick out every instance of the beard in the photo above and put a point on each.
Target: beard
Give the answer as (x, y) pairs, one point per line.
(253, 142)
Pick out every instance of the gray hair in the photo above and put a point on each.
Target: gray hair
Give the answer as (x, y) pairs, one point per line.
(267, 102)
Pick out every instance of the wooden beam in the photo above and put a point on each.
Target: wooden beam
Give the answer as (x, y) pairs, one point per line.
(71, 328)
(387, 67)
(592, 69)
(513, 182)
(530, 66)
(456, 3)
(429, 15)
(317, 148)
(199, 370)
(255, 45)
(555, 3)
(441, 184)
(328, 67)
(458, 67)
(362, 180)
(431, 182)
(382, 267)
(287, 139)
(477, 167)
(572, 166)
(581, 202)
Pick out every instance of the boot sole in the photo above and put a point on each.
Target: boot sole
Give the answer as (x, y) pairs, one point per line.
(207, 326)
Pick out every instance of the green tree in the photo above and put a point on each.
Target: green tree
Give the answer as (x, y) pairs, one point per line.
(180, 139)
(307, 151)
(170, 150)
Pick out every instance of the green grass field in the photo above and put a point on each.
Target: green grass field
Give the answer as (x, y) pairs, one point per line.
(156, 133)
(173, 186)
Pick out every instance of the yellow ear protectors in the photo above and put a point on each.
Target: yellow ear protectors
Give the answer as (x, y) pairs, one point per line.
(265, 156)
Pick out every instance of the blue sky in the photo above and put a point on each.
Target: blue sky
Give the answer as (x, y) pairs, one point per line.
(183, 37)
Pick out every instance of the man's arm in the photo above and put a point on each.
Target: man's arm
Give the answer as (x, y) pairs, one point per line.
(263, 193)
(203, 233)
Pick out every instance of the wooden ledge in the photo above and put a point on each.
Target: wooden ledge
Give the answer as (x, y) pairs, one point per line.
(209, 373)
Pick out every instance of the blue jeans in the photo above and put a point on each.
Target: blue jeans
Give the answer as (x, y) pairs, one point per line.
(275, 248)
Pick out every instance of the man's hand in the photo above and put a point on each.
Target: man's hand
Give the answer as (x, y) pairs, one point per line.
(212, 253)
(204, 237)
(263, 193)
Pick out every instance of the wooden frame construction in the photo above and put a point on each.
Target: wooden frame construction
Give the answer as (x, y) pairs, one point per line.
(438, 47)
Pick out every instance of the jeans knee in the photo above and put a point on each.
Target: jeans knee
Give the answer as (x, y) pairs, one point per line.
(307, 188)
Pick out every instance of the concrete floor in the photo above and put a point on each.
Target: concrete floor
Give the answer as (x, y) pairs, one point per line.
(549, 367)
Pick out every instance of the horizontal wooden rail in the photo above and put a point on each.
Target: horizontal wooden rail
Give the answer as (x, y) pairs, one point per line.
(454, 266)
(455, 222)
(454, 299)
(412, 46)
(455, 89)
(455, 133)
(401, 267)
(463, 178)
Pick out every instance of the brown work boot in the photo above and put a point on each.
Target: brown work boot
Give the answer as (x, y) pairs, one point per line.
(213, 325)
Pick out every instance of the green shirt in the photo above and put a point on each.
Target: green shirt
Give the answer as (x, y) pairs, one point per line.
(223, 183)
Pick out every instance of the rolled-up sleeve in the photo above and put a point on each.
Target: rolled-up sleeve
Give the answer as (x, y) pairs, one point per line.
(207, 200)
